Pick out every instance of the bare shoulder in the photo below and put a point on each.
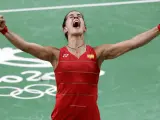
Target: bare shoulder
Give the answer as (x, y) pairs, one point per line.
(54, 50)
(99, 49)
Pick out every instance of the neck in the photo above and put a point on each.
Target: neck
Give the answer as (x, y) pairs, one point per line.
(75, 41)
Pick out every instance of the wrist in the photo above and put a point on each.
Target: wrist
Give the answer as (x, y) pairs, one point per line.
(158, 26)
(4, 30)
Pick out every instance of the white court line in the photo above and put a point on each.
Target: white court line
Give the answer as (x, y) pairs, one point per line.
(78, 6)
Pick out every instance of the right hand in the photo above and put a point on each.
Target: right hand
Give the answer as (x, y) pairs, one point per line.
(2, 23)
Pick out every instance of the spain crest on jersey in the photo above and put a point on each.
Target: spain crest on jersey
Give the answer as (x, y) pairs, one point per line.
(90, 56)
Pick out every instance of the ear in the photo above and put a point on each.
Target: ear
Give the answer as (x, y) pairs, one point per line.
(65, 30)
(85, 29)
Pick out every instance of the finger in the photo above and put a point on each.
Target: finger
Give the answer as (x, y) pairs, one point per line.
(1, 16)
(2, 20)
(2, 23)
(2, 27)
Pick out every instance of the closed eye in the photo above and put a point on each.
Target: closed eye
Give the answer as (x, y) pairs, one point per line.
(79, 15)
(71, 16)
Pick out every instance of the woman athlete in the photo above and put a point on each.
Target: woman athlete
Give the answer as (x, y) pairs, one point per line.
(77, 65)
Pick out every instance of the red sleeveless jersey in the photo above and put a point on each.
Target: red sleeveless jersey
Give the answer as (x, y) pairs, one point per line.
(76, 80)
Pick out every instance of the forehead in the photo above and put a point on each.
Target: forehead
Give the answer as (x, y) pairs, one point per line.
(74, 13)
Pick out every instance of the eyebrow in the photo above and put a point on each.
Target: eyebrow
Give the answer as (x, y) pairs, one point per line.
(70, 14)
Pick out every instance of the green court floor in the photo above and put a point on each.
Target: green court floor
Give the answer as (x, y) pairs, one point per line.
(129, 86)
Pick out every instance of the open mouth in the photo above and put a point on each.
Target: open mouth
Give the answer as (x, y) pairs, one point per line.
(76, 23)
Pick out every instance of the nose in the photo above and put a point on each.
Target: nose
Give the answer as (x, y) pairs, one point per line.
(75, 17)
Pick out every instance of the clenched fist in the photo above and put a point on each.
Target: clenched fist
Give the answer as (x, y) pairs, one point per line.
(2, 23)
(3, 27)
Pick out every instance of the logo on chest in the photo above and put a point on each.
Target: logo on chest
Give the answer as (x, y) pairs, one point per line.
(65, 55)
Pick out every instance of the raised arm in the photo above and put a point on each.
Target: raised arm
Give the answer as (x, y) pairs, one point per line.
(110, 51)
(44, 53)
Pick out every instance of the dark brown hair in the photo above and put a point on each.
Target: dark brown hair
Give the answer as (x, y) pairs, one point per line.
(64, 22)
